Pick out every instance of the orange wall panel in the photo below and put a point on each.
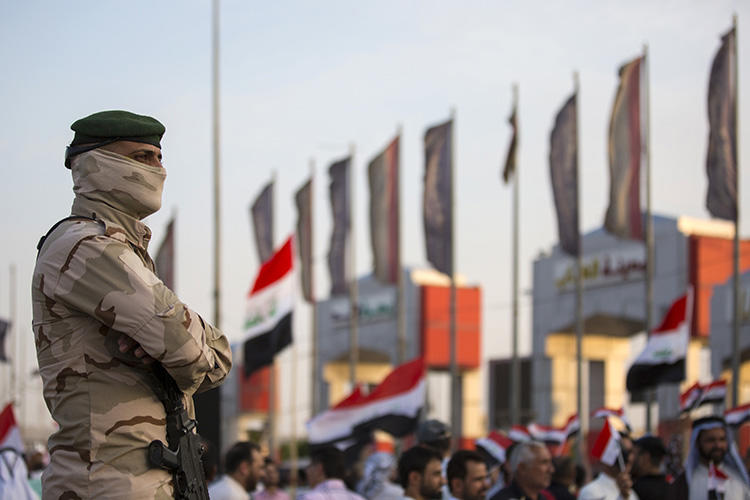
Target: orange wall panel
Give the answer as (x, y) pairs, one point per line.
(711, 264)
(435, 326)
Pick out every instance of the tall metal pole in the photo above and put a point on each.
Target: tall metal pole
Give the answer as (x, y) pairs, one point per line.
(313, 316)
(293, 455)
(217, 187)
(455, 377)
(13, 332)
(272, 399)
(515, 388)
(650, 393)
(579, 296)
(400, 283)
(736, 322)
(353, 307)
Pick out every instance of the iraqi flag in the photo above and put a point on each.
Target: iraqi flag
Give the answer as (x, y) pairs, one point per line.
(604, 412)
(393, 406)
(663, 358)
(10, 436)
(717, 480)
(13, 473)
(495, 445)
(546, 434)
(607, 446)
(268, 317)
(690, 398)
(737, 416)
(713, 393)
(519, 434)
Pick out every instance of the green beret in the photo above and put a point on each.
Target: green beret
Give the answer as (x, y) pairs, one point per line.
(111, 126)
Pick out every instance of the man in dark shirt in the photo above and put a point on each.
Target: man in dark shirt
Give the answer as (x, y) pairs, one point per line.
(531, 466)
(649, 481)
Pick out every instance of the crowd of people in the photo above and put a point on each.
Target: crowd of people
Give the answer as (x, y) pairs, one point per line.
(428, 470)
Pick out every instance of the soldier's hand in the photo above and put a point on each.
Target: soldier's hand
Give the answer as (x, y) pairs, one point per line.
(126, 344)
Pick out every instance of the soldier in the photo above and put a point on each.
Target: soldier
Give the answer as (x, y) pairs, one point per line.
(103, 319)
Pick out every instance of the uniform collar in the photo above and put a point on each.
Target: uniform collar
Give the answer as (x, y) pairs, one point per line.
(115, 221)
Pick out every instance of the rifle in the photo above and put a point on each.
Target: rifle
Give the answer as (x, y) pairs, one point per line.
(183, 456)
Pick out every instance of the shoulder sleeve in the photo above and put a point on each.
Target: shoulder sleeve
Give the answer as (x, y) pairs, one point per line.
(103, 278)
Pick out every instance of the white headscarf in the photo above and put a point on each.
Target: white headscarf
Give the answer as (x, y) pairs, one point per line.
(375, 483)
(732, 460)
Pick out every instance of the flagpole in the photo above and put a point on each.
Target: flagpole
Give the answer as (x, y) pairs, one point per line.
(736, 321)
(272, 369)
(401, 314)
(579, 297)
(314, 312)
(217, 187)
(353, 306)
(650, 393)
(455, 377)
(12, 329)
(515, 389)
(293, 416)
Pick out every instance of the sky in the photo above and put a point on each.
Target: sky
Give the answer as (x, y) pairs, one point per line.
(302, 82)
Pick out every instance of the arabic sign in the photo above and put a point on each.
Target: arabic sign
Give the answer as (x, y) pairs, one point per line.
(609, 268)
(372, 308)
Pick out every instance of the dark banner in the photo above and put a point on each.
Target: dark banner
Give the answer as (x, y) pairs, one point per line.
(563, 166)
(436, 207)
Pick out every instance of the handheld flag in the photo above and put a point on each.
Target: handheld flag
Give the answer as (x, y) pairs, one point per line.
(689, 399)
(607, 446)
(13, 472)
(737, 416)
(519, 434)
(717, 480)
(393, 406)
(609, 412)
(495, 444)
(268, 318)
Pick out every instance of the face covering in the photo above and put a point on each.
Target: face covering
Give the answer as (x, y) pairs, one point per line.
(121, 182)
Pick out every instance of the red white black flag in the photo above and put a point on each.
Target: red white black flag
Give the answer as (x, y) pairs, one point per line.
(555, 435)
(496, 445)
(713, 393)
(737, 416)
(607, 446)
(268, 318)
(393, 406)
(609, 412)
(689, 399)
(519, 434)
(663, 358)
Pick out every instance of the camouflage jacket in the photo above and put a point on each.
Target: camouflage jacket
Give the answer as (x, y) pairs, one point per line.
(93, 282)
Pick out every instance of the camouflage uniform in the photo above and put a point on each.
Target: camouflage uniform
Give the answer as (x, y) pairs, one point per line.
(93, 282)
